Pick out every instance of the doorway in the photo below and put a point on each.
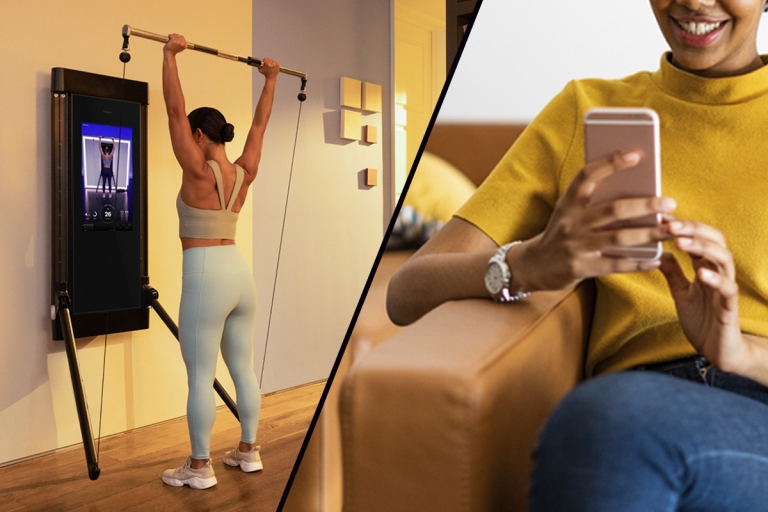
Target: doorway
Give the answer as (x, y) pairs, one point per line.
(419, 39)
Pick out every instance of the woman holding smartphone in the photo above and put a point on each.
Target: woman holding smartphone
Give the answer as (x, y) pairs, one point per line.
(688, 429)
(218, 301)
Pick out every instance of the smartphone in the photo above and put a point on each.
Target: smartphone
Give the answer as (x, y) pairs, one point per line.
(607, 130)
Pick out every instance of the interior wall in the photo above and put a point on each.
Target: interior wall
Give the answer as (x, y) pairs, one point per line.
(333, 224)
(145, 376)
(525, 52)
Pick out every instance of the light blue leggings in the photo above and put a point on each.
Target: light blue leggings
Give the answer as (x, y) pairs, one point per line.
(218, 308)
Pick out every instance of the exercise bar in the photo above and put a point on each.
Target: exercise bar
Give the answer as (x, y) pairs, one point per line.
(129, 31)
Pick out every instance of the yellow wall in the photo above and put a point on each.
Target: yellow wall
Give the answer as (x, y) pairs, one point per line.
(419, 35)
(145, 377)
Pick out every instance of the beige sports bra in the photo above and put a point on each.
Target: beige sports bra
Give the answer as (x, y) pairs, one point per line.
(211, 224)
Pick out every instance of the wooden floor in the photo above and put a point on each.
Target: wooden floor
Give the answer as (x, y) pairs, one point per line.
(132, 463)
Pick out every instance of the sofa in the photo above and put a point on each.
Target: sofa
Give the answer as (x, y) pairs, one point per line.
(443, 414)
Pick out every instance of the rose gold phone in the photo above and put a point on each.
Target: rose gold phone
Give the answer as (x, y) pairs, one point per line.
(607, 130)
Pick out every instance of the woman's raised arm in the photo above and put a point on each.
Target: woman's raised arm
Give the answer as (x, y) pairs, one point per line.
(188, 153)
(252, 151)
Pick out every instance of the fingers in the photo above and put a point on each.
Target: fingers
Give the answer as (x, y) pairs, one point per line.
(689, 228)
(711, 257)
(625, 237)
(625, 209)
(596, 265)
(576, 219)
(624, 266)
(580, 234)
(726, 288)
(176, 43)
(673, 273)
(607, 225)
(577, 215)
(269, 68)
(703, 243)
(585, 182)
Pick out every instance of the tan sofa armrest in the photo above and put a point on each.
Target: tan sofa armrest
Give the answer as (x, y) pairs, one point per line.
(318, 482)
(443, 415)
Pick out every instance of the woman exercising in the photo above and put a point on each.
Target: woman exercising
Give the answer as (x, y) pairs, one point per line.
(218, 300)
(107, 151)
(687, 428)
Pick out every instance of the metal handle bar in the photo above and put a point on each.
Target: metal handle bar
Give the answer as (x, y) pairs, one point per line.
(130, 31)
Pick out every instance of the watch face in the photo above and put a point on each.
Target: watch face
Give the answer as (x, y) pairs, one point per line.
(494, 278)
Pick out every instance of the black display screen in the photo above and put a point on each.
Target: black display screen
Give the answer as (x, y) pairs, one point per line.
(106, 243)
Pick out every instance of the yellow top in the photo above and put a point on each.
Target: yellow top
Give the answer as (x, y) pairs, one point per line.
(714, 162)
(211, 224)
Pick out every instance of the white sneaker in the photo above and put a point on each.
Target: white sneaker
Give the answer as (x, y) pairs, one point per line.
(248, 462)
(202, 478)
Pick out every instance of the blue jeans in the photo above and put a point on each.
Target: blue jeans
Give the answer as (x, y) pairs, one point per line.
(683, 436)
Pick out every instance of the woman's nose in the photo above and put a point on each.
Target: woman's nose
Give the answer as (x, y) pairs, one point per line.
(695, 5)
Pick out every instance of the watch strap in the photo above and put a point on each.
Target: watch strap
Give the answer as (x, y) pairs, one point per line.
(506, 294)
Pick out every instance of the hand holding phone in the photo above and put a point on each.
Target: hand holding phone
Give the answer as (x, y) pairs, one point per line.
(582, 228)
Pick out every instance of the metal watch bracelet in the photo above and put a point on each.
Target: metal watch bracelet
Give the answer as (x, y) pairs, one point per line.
(506, 295)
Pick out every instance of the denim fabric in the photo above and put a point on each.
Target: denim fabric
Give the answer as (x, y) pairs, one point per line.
(698, 369)
(681, 436)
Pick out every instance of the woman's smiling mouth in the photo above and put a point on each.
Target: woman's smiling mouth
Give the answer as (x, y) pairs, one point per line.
(699, 28)
(698, 33)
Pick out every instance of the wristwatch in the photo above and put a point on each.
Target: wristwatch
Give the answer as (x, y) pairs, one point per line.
(498, 277)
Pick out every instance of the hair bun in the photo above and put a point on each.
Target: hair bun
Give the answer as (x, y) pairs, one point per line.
(227, 132)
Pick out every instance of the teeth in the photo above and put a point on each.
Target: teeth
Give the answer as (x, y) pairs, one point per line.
(698, 29)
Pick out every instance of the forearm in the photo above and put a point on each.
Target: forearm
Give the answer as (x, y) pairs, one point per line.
(424, 282)
(452, 266)
(264, 105)
(172, 93)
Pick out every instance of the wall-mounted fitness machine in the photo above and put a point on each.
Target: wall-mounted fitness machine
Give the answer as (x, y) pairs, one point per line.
(99, 201)
(100, 282)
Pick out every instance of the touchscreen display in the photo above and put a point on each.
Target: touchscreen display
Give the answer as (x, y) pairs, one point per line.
(107, 177)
